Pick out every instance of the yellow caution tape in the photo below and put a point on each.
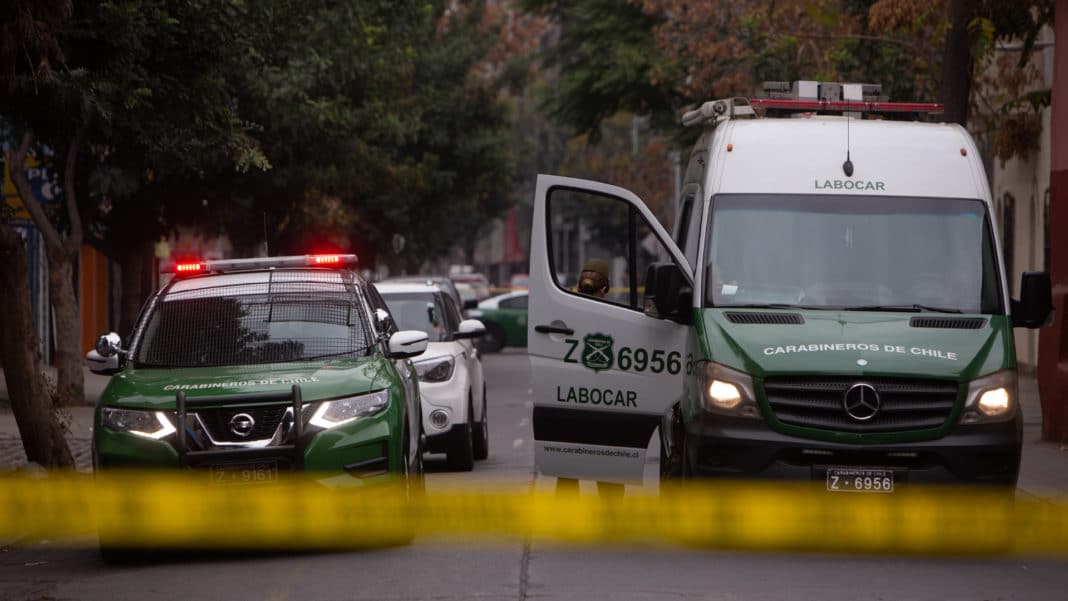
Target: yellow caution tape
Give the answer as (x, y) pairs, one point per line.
(182, 510)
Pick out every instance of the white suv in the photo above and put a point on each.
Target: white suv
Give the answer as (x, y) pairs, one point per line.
(451, 382)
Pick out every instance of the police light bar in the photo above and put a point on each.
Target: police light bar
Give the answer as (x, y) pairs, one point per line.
(846, 105)
(257, 263)
(188, 268)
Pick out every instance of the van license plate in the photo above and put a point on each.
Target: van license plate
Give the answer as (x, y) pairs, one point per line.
(841, 479)
(245, 473)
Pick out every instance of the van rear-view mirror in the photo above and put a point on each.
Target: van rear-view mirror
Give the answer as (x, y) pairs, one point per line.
(1035, 307)
(667, 293)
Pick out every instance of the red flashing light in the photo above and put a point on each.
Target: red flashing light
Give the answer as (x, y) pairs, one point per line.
(847, 105)
(326, 259)
(188, 268)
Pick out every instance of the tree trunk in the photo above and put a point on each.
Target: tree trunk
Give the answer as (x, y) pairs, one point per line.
(1053, 341)
(43, 436)
(62, 255)
(957, 61)
(70, 378)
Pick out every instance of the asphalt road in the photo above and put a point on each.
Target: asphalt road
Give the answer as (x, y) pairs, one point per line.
(445, 570)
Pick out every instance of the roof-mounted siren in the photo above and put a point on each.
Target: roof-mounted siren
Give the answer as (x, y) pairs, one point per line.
(782, 97)
(714, 111)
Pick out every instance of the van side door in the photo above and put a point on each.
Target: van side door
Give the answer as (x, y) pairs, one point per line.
(604, 371)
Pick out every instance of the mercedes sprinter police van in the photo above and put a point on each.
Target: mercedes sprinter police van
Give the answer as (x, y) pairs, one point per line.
(831, 305)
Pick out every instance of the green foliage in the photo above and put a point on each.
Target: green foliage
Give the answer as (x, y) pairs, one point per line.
(350, 119)
(608, 61)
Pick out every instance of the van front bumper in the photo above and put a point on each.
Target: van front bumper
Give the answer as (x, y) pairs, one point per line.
(748, 448)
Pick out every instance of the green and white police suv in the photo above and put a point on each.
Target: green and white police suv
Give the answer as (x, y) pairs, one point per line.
(246, 368)
(832, 305)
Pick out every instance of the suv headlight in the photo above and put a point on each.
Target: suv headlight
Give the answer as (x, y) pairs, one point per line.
(435, 370)
(991, 398)
(727, 391)
(149, 424)
(330, 414)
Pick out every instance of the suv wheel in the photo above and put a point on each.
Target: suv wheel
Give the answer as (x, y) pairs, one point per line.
(481, 432)
(461, 456)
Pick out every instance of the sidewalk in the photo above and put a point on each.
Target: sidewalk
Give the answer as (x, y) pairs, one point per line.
(81, 425)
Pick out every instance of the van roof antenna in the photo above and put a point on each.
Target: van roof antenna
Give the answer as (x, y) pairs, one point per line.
(847, 166)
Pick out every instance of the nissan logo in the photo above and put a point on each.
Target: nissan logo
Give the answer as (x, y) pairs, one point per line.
(242, 424)
(861, 402)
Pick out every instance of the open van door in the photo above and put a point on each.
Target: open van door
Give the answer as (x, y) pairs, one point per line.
(604, 371)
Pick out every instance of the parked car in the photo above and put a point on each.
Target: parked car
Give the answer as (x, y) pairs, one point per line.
(505, 318)
(519, 281)
(441, 281)
(245, 368)
(451, 381)
(476, 281)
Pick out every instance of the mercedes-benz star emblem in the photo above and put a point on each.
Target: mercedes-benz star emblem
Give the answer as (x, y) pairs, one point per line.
(242, 424)
(861, 402)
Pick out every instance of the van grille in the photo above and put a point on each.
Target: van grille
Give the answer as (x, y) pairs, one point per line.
(267, 418)
(904, 404)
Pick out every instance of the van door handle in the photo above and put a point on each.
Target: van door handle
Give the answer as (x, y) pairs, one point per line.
(544, 329)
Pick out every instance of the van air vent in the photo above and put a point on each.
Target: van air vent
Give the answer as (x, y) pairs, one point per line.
(948, 323)
(764, 318)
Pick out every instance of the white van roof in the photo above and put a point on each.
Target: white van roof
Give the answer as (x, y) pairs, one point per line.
(805, 155)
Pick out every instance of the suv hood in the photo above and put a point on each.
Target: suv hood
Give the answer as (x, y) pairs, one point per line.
(158, 387)
(858, 343)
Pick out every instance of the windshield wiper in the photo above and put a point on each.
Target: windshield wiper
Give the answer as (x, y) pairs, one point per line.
(913, 308)
(341, 354)
(772, 306)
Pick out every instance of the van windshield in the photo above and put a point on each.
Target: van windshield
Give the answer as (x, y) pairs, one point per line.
(852, 252)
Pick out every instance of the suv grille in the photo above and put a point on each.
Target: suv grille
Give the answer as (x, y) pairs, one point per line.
(267, 418)
(903, 404)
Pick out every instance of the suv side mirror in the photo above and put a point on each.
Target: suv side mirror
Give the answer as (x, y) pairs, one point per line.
(667, 294)
(470, 328)
(407, 343)
(1035, 307)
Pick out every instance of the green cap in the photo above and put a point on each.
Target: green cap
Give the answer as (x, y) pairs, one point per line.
(597, 265)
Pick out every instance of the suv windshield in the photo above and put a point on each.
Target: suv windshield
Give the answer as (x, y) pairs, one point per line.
(255, 318)
(417, 311)
(851, 252)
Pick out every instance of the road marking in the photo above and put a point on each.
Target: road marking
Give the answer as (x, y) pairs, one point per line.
(524, 422)
(517, 443)
(528, 403)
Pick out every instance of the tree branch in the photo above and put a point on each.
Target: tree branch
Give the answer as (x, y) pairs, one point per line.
(18, 176)
(860, 36)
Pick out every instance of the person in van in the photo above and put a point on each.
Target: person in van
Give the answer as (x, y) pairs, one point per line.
(593, 281)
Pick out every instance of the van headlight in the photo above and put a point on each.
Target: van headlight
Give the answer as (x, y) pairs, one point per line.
(991, 398)
(727, 391)
(149, 424)
(333, 413)
(435, 370)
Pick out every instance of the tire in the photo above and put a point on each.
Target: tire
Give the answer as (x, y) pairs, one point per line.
(494, 339)
(461, 457)
(480, 433)
(671, 463)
